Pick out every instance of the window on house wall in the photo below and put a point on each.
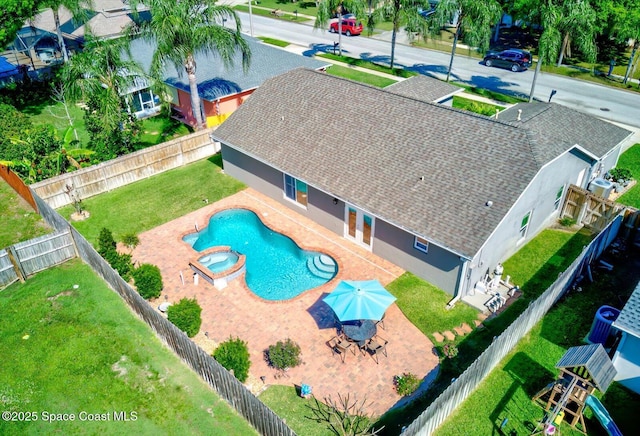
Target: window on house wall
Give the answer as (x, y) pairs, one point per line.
(295, 190)
(524, 225)
(559, 197)
(421, 244)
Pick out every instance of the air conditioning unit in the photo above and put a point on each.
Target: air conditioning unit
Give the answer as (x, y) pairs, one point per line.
(601, 187)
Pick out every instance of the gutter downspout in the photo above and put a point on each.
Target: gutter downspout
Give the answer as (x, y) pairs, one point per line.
(463, 282)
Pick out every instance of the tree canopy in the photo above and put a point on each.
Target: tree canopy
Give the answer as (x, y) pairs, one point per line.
(14, 13)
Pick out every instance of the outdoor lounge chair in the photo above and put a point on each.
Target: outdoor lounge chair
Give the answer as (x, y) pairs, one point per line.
(376, 346)
(340, 346)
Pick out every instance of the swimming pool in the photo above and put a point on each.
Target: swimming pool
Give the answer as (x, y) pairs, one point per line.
(276, 268)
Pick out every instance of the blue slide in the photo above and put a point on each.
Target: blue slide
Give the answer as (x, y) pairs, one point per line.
(603, 416)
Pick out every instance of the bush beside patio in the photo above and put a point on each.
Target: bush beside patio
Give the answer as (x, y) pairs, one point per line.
(113, 357)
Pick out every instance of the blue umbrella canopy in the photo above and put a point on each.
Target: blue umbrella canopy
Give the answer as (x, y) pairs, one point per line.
(352, 300)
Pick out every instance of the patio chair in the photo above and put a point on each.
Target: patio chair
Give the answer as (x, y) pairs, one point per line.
(381, 322)
(376, 346)
(340, 346)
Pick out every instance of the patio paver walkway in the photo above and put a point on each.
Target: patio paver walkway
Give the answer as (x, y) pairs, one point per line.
(236, 312)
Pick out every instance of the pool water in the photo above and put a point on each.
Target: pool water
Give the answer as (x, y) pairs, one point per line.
(276, 268)
(219, 262)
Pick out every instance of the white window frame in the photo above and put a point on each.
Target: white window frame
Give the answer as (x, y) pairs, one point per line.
(421, 244)
(559, 196)
(525, 228)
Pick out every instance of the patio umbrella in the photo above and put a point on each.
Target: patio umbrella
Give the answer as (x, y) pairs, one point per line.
(352, 300)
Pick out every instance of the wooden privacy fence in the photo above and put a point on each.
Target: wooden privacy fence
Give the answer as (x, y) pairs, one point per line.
(126, 169)
(18, 185)
(263, 419)
(23, 259)
(463, 386)
(589, 209)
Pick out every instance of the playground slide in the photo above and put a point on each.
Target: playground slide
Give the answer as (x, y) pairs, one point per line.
(603, 416)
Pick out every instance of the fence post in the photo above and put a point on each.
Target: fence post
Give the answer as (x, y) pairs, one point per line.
(15, 261)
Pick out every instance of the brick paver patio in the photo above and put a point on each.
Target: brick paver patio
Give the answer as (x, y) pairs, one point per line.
(236, 312)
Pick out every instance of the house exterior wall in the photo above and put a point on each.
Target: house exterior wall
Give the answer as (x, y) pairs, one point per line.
(539, 198)
(183, 107)
(626, 360)
(217, 112)
(437, 266)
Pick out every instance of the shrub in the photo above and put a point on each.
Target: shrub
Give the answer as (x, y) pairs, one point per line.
(450, 350)
(186, 316)
(406, 384)
(131, 240)
(567, 221)
(620, 174)
(284, 355)
(234, 356)
(106, 242)
(148, 280)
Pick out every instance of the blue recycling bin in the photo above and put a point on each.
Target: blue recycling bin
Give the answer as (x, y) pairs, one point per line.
(601, 327)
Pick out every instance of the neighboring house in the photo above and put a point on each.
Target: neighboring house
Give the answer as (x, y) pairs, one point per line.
(426, 89)
(627, 356)
(223, 88)
(443, 193)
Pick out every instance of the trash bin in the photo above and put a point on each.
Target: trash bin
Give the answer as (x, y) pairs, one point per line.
(601, 327)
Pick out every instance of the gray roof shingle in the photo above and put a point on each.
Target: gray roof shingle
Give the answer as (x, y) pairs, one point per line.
(371, 147)
(216, 80)
(424, 88)
(629, 318)
(594, 357)
(557, 128)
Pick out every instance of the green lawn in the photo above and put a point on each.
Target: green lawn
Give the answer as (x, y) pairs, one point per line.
(356, 62)
(148, 203)
(158, 129)
(54, 114)
(424, 305)
(19, 221)
(630, 160)
(504, 98)
(273, 41)
(287, 404)
(475, 106)
(286, 16)
(73, 346)
(359, 76)
(508, 391)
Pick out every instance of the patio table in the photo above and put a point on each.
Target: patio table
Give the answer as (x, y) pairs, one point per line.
(359, 331)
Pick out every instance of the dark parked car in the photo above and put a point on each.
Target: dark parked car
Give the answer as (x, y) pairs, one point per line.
(513, 59)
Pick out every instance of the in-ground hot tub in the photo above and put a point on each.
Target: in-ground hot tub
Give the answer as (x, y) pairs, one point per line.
(219, 265)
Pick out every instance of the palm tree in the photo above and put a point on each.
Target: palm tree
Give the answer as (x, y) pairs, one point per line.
(328, 9)
(402, 12)
(187, 28)
(627, 26)
(558, 31)
(77, 9)
(104, 72)
(474, 17)
(577, 24)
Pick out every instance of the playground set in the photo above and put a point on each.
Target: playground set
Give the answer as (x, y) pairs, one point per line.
(583, 369)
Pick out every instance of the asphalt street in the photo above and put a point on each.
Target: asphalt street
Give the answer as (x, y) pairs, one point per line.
(608, 103)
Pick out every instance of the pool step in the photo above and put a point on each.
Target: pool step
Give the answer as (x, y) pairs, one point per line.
(322, 266)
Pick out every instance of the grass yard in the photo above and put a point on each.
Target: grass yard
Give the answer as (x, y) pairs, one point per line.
(356, 62)
(630, 160)
(287, 404)
(475, 106)
(53, 114)
(286, 16)
(529, 268)
(159, 129)
(507, 392)
(504, 98)
(359, 76)
(80, 349)
(424, 305)
(273, 41)
(148, 203)
(19, 221)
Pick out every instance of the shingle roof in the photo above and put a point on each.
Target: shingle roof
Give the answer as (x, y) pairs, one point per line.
(216, 80)
(371, 148)
(424, 88)
(557, 128)
(629, 318)
(595, 359)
